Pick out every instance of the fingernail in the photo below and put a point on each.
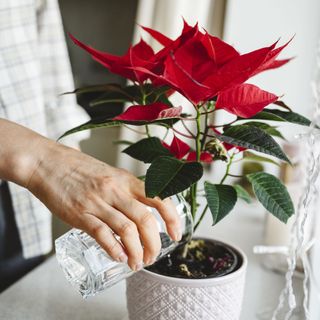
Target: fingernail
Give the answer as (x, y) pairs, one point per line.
(123, 257)
(178, 235)
(138, 266)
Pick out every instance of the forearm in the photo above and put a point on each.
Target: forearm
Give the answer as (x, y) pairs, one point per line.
(19, 152)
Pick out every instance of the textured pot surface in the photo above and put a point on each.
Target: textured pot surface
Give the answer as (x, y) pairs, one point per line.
(151, 296)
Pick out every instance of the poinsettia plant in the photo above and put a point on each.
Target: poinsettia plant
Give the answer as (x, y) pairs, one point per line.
(212, 75)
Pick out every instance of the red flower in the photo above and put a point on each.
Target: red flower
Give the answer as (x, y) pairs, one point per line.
(177, 147)
(201, 67)
(138, 55)
(244, 100)
(161, 38)
(201, 78)
(184, 63)
(149, 112)
(204, 157)
(218, 50)
(271, 62)
(229, 146)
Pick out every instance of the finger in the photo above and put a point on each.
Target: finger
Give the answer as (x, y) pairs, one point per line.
(146, 223)
(126, 230)
(169, 214)
(104, 236)
(166, 209)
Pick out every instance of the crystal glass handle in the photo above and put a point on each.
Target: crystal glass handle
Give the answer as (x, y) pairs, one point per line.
(91, 270)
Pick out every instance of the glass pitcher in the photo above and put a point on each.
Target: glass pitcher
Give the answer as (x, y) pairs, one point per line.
(91, 270)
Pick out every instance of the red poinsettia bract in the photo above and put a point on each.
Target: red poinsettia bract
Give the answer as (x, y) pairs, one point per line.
(180, 149)
(204, 157)
(149, 112)
(202, 67)
(138, 55)
(177, 147)
(199, 66)
(244, 100)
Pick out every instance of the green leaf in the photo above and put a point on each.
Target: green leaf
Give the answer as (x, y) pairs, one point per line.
(282, 105)
(164, 99)
(265, 115)
(157, 94)
(125, 94)
(274, 132)
(252, 138)
(272, 194)
(124, 142)
(92, 124)
(100, 123)
(114, 93)
(167, 176)
(278, 115)
(147, 150)
(107, 100)
(267, 128)
(221, 199)
(242, 193)
(249, 156)
(292, 117)
(96, 88)
(147, 93)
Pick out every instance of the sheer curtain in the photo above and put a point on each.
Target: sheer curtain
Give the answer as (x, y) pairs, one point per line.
(166, 16)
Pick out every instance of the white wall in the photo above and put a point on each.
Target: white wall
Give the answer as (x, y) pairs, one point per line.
(251, 24)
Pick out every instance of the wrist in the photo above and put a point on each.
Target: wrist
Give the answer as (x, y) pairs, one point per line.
(18, 151)
(25, 161)
(48, 168)
(34, 158)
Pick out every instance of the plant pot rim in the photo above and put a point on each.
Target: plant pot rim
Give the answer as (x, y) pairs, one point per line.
(202, 282)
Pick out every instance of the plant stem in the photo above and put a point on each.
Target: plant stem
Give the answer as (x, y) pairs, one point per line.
(225, 125)
(206, 129)
(203, 141)
(193, 200)
(144, 100)
(181, 133)
(227, 169)
(201, 217)
(147, 131)
(185, 251)
(193, 188)
(198, 136)
(206, 207)
(166, 134)
(207, 112)
(188, 130)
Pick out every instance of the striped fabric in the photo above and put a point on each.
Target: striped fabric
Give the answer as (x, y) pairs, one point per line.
(34, 70)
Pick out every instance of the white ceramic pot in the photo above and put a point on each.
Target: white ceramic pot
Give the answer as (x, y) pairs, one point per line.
(151, 296)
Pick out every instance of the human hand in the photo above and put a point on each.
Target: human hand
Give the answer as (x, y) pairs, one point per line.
(101, 200)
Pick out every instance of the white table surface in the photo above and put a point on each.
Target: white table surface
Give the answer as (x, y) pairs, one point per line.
(45, 294)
